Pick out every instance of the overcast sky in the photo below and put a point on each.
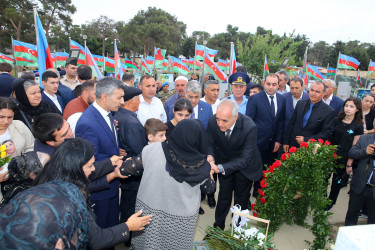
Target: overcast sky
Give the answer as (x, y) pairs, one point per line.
(328, 20)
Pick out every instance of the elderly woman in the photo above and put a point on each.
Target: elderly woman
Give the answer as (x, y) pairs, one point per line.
(73, 162)
(13, 130)
(30, 102)
(174, 174)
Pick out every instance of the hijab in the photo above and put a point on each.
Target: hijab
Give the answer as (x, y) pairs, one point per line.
(42, 215)
(186, 152)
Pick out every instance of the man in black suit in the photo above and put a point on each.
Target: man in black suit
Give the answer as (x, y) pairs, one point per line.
(329, 98)
(311, 119)
(132, 138)
(6, 79)
(362, 188)
(234, 155)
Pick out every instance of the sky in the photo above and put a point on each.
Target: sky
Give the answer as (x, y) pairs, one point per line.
(319, 20)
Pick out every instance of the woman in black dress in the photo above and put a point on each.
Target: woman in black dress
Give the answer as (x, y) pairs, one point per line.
(368, 101)
(183, 109)
(348, 128)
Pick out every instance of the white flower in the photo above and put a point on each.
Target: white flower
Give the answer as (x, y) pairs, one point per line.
(260, 243)
(261, 236)
(236, 236)
(251, 232)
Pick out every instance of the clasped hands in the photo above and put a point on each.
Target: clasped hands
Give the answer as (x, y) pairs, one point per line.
(214, 167)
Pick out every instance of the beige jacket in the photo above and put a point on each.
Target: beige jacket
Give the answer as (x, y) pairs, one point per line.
(22, 137)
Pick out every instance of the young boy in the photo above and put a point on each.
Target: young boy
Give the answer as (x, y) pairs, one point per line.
(155, 130)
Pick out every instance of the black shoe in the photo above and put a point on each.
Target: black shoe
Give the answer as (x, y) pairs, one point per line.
(201, 211)
(211, 201)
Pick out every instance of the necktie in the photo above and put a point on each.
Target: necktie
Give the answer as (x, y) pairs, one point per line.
(307, 115)
(227, 134)
(113, 127)
(272, 106)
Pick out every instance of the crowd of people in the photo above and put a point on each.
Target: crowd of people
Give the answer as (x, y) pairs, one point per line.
(132, 164)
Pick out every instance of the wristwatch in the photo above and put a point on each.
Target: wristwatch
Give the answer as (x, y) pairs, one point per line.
(221, 169)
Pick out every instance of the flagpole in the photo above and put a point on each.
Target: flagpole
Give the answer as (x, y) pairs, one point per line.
(305, 62)
(327, 69)
(14, 59)
(204, 56)
(264, 66)
(55, 60)
(337, 66)
(155, 62)
(84, 41)
(231, 59)
(366, 75)
(195, 56)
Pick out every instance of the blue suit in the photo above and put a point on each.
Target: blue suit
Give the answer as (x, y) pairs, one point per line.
(270, 127)
(289, 105)
(204, 112)
(337, 104)
(66, 93)
(6, 80)
(59, 99)
(92, 127)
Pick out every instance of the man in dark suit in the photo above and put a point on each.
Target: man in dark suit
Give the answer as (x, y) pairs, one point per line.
(329, 98)
(6, 79)
(50, 81)
(234, 155)
(311, 119)
(362, 188)
(132, 138)
(96, 125)
(291, 98)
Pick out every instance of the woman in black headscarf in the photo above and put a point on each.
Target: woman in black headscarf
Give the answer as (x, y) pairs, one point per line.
(30, 102)
(174, 173)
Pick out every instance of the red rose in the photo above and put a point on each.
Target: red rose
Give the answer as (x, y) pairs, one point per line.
(253, 206)
(304, 145)
(312, 140)
(335, 155)
(262, 200)
(271, 169)
(277, 163)
(327, 143)
(255, 214)
(260, 191)
(284, 156)
(292, 150)
(320, 141)
(265, 174)
(263, 183)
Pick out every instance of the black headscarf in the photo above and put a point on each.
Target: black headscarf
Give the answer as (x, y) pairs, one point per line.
(30, 112)
(186, 152)
(41, 215)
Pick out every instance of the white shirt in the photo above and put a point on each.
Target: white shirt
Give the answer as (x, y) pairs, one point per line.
(54, 99)
(286, 90)
(274, 101)
(73, 119)
(153, 110)
(105, 113)
(296, 100)
(214, 106)
(4, 137)
(195, 112)
(328, 101)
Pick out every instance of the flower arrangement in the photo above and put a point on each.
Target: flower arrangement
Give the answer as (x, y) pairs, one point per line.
(296, 186)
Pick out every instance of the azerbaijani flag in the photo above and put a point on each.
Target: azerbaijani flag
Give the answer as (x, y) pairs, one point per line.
(305, 74)
(199, 51)
(210, 66)
(314, 72)
(359, 80)
(190, 62)
(266, 69)
(347, 62)
(131, 64)
(25, 50)
(164, 65)
(75, 45)
(60, 58)
(26, 62)
(150, 60)
(331, 71)
(145, 67)
(117, 62)
(99, 60)
(222, 64)
(178, 66)
(371, 67)
(7, 59)
(233, 60)
(45, 59)
(159, 57)
(109, 65)
(90, 61)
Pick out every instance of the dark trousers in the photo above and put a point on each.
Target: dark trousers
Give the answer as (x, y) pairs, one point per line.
(107, 212)
(127, 204)
(335, 186)
(356, 202)
(236, 183)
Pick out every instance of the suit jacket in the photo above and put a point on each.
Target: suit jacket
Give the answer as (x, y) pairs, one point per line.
(93, 128)
(59, 99)
(319, 126)
(6, 80)
(289, 105)
(337, 104)
(240, 152)
(358, 152)
(270, 128)
(66, 93)
(204, 112)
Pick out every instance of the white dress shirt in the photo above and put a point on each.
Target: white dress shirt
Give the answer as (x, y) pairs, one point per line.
(54, 99)
(214, 106)
(104, 113)
(195, 112)
(153, 110)
(296, 100)
(274, 101)
(328, 101)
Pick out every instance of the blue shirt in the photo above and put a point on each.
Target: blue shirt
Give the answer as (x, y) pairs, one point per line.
(242, 106)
